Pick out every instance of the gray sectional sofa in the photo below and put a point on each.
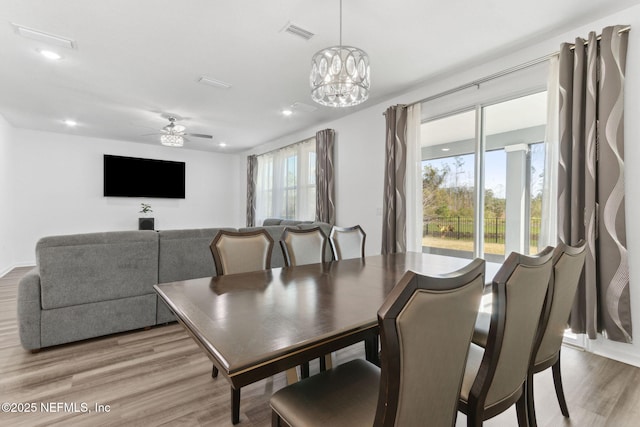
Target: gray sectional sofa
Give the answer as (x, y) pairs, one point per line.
(95, 284)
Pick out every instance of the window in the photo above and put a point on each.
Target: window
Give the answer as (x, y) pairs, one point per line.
(497, 148)
(286, 183)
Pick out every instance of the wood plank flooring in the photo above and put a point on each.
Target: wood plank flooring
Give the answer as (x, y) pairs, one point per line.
(160, 377)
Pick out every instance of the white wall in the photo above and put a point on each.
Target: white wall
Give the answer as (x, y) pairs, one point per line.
(359, 170)
(360, 153)
(57, 189)
(6, 235)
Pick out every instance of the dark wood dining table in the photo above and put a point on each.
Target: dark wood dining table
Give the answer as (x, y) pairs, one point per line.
(254, 325)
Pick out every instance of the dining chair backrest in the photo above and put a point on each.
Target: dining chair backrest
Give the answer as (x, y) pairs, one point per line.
(519, 290)
(301, 247)
(347, 242)
(568, 262)
(426, 324)
(240, 252)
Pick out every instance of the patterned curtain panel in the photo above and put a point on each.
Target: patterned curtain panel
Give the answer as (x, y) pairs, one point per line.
(591, 198)
(252, 177)
(325, 187)
(394, 228)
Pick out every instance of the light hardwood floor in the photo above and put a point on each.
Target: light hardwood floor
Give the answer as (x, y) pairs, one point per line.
(161, 377)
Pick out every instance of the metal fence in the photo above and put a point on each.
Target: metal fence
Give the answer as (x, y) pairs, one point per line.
(461, 228)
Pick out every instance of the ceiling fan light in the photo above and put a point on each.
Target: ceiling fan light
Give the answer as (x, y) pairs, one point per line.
(172, 140)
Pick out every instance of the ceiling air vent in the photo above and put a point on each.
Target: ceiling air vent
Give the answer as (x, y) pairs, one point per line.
(213, 82)
(41, 36)
(297, 31)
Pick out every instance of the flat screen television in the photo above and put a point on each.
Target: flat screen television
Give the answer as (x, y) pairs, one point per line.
(135, 177)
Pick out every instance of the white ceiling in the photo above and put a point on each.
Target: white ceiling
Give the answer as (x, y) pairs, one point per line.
(136, 62)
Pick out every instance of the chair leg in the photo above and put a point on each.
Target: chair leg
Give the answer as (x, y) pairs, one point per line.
(235, 405)
(371, 344)
(304, 370)
(474, 419)
(275, 419)
(214, 372)
(557, 382)
(521, 409)
(531, 409)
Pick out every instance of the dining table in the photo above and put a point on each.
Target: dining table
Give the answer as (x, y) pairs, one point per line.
(254, 325)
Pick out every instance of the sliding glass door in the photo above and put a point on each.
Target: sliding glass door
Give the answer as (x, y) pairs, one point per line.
(493, 157)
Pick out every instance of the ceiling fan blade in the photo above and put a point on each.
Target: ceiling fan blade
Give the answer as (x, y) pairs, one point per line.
(200, 135)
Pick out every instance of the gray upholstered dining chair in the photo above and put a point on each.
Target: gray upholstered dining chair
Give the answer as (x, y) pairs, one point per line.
(347, 242)
(422, 367)
(496, 375)
(568, 262)
(301, 247)
(240, 252)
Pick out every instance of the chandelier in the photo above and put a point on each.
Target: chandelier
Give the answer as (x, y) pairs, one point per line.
(172, 140)
(340, 75)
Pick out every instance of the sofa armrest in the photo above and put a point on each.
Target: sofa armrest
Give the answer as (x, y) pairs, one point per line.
(29, 308)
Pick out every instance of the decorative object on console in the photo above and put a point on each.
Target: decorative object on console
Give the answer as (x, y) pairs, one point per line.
(145, 209)
(340, 75)
(148, 222)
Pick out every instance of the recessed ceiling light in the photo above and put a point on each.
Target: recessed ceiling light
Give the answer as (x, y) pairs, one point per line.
(446, 149)
(222, 144)
(70, 123)
(287, 112)
(50, 54)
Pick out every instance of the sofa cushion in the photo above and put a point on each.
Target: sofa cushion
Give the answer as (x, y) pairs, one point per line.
(86, 268)
(79, 322)
(185, 254)
(294, 222)
(271, 221)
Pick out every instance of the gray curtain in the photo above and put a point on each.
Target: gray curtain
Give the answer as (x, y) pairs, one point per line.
(394, 227)
(591, 200)
(252, 176)
(325, 186)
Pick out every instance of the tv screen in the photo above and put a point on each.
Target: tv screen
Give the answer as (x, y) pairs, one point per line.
(134, 177)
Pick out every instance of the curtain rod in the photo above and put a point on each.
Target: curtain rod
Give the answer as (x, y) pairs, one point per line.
(275, 150)
(502, 73)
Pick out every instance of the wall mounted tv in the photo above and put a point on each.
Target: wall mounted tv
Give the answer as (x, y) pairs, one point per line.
(134, 177)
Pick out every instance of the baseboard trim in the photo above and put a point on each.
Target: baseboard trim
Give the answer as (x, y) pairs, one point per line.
(11, 267)
(619, 356)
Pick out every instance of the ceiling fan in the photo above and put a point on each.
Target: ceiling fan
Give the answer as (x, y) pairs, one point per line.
(174, 135)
